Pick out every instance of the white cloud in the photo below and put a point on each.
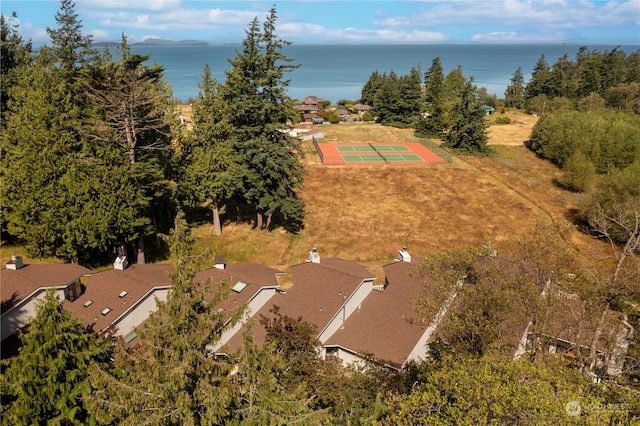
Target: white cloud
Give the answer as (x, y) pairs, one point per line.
(181, 19)
(152, 5)
(512, 13)
(513, 37)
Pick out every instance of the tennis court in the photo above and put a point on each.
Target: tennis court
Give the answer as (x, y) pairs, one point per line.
(376, 154)
(372, 148)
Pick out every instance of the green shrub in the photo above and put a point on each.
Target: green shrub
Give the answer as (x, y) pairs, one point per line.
(367, 116)
(579, 173)
(503, 120)
(334, 119)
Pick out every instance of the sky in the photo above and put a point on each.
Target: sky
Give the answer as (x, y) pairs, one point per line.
(583, 22)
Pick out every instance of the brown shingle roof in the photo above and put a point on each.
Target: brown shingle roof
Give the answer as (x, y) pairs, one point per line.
(255, 277)
(318, 291)
(15, 285)
(387, 325)
(104, 289)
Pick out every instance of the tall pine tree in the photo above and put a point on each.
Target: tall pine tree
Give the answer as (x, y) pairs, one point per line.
(172, 377)
(259, 109)
(211, 171)
(131, 131)
(515, 91)
(467, 133)
(48, 381)
(432, 123)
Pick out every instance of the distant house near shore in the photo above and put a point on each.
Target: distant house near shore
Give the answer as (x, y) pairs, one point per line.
(361, 108)
(308, 108)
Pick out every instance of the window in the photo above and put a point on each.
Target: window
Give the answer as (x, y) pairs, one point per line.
(130, 338)
(122, 294)
(239, 286)
(105, 311)
(87, 303)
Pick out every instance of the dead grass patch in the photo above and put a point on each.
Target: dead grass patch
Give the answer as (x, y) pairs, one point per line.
(366, 214)
(515, 133)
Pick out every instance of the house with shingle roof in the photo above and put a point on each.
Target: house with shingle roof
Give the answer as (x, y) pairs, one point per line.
(309, 107)
(388, 326)
(23, 285)
(325, 293)
(361, 108)
(252, 285)
(116, 301)
(573, 330)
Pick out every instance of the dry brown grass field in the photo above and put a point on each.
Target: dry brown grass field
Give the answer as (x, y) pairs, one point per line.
(366, 214)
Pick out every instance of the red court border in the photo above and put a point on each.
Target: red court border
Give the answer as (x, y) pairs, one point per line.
(331, 156)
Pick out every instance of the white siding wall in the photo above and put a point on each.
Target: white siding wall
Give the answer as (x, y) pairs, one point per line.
(23, 313)
(140, 312)
(350, 306)
(254, 305)
(347, 357)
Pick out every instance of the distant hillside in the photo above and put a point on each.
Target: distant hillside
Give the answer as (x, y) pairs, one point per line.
(156, 42)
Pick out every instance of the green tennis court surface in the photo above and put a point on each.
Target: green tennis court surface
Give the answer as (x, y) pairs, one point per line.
(380, 158)
(369, 148)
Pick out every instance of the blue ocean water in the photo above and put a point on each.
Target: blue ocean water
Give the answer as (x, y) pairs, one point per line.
(337, 72)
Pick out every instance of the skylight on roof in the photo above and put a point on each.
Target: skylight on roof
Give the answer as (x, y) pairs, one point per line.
(87, 303)
(122, 294)
(239, 286)
(105, 311)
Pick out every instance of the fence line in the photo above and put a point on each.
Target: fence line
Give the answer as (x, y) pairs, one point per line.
(436, 149)
(318, 150)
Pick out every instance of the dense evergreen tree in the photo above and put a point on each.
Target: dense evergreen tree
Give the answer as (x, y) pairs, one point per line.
(171, 377)
(131, 126)
(609, 74)
(432, 123)
(387, 99)
(70, 47)
(452, 88)
(259, 110)
(467, 132)
(265, 393)
(211, 169)
(515, 91)
(47, 382)
(411, 102)
(39, 145)
(45, 145)
(14, 52)
(538, 84)
(370, 88)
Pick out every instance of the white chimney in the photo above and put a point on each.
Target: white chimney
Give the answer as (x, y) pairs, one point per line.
(403, 255)
(120, 263)
(219, 262)
(314, 257)
(15, 262)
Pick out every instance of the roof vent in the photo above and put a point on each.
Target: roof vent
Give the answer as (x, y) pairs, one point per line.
(15, 262)
(403, 255)
(314, 257)
(219, 262)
